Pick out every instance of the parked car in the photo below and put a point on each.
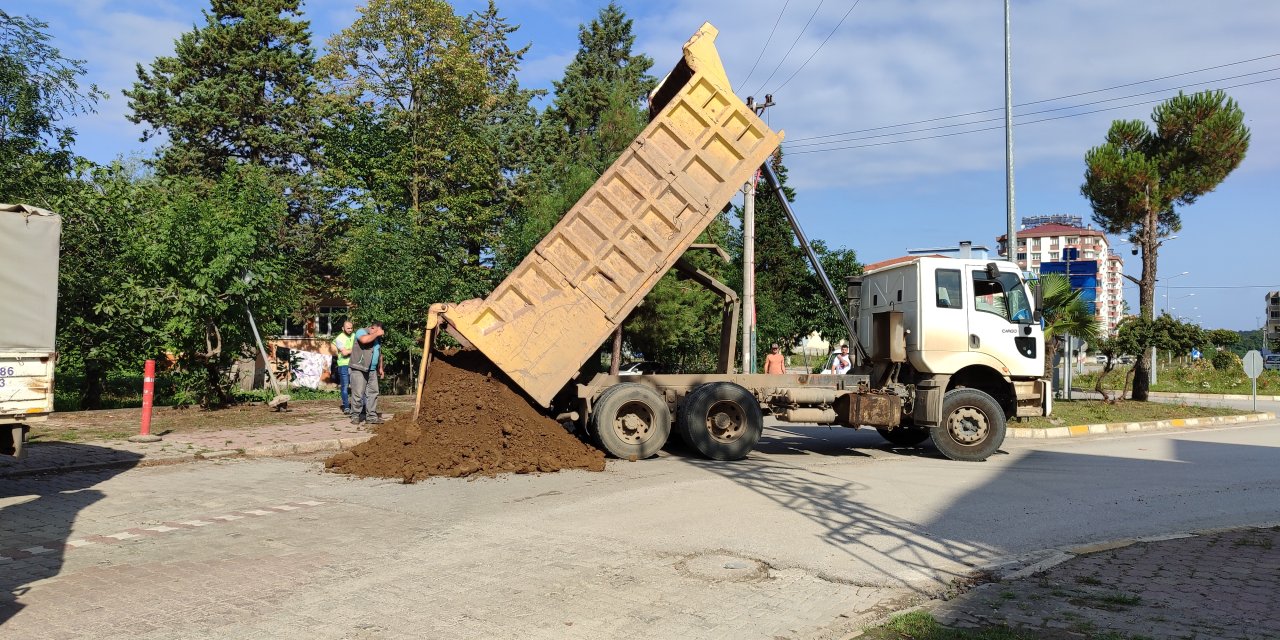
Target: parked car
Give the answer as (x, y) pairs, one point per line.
(1271, 362)
(642, 367)
(1101, 358)
(1127, 359)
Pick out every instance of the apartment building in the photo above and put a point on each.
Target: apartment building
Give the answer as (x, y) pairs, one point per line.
(1273, 317)
(1095, 268)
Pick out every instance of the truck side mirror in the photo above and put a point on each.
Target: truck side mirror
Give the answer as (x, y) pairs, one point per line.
(992, 271)
(1038, 315)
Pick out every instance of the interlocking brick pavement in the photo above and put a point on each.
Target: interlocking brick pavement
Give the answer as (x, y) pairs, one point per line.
(283, 438)
(1213, 586)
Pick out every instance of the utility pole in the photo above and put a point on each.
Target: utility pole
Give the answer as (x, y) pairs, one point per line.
(1011, 233)
(749, 275)
(749, 255)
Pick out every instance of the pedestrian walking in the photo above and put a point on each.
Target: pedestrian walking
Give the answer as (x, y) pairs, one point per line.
(366, 367)
(342, 344)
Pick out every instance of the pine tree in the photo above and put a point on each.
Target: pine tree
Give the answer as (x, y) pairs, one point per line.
(238, 88)
(598, 101)
(1137, 179)
(597, 112)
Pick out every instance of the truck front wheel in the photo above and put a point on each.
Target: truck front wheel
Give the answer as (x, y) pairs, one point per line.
(972, 426)
(721, 420)
(630, 420)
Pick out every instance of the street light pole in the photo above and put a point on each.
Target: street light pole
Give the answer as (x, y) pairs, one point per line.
(1011, 233)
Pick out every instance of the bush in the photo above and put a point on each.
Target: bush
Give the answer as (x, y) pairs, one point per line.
(1227, 361)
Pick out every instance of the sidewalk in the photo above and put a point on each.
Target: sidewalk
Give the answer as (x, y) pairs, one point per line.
(1212, 584)
(275, 440)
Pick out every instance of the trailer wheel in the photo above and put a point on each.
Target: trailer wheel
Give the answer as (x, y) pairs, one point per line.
(721, 420)
(630, 420)
(972, 426)
(904, 435)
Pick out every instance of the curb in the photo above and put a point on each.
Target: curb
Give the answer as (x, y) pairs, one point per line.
(1081, 430)
(1192, 396)
(269, 451)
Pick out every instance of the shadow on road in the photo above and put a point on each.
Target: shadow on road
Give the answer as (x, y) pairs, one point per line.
(36, 516)
(1038, 499)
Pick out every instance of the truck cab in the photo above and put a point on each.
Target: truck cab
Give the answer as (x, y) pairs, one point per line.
(964, 323)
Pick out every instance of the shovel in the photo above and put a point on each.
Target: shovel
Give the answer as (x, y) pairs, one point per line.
(281, 401)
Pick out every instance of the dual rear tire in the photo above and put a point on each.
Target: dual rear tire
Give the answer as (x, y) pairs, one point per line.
(720, 420)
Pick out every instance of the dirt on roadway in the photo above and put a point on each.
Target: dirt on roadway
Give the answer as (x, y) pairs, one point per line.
(472, 422)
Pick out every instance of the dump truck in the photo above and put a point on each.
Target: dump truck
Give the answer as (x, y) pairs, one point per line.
(944, 347)
(29, 244)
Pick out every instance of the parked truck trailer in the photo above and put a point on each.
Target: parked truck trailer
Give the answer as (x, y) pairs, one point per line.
(29, 243)
(948, 348)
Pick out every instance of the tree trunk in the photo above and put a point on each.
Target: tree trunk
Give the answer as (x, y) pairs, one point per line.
(1147, 298)
(615, 361)
(1097, 387)
(92, 386)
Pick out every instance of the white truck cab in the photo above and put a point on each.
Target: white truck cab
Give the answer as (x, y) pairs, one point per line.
(965, 323)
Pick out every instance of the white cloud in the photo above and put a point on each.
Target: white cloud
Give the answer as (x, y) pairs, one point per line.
(902, 61)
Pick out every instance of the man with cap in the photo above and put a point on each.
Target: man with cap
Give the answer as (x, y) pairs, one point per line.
(774, 362)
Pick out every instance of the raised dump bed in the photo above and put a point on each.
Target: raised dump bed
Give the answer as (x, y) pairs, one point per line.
(582, 280)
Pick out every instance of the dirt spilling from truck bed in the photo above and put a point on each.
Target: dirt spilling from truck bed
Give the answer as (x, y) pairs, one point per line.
(472, 422)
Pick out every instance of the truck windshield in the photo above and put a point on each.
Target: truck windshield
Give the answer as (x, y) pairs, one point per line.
(1006, 296)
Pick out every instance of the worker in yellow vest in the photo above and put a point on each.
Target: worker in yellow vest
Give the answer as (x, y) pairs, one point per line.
(342, 344)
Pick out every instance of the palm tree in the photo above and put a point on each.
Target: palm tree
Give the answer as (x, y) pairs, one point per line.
(1065, 313)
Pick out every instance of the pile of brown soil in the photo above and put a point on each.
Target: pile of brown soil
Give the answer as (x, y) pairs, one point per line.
(472, 422)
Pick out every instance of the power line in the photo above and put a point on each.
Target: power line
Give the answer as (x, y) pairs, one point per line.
(960, 133)
(815, 51)
(1030, 113)
(1223, 286)
(766, 43)
(793, 46)
(1026, 104)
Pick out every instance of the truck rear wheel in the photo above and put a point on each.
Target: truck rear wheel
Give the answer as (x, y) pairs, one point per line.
(972, 426)
(630, 420)
(721, 420)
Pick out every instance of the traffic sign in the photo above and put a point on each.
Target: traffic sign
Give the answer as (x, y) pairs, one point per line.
(1253, 364)
(1253, 369)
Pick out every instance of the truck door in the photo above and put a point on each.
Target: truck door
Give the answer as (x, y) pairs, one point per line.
(948, 326)
(998, 319)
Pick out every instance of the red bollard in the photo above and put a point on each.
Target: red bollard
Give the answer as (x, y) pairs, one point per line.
(148, 394)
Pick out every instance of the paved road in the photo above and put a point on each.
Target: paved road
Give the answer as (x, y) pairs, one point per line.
(820, 531)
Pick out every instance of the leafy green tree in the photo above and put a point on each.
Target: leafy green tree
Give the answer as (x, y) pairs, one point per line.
(186, 290)
(39, 89)
(425, 120)
(818, 312)
(787, 291)
(237, 88)
(680, 322)
(1139, 177)
(100, 213)
(240, 87)
(1222, 338)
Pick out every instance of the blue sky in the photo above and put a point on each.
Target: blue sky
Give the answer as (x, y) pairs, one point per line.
(888, 63)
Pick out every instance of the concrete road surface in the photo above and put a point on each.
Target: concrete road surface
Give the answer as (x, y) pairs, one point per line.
(820, 531)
